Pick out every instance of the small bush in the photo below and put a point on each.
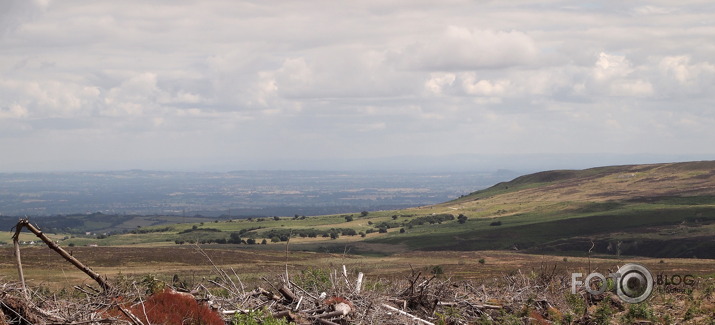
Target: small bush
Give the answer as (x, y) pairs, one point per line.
(437, 270)
(604, 312)
(639, 311)
(257, 317)
(169, 307)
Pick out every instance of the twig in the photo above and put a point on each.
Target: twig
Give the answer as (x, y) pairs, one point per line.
(131, 316)
(243, 290)
(407, 314)
(16, 243)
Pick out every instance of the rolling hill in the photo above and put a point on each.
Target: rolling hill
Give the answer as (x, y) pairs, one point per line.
(661, 210)
(657, 210)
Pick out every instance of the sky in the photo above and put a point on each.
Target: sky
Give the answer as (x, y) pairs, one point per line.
(231, 84)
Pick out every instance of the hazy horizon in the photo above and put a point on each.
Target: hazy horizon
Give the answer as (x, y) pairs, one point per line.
(523, 164)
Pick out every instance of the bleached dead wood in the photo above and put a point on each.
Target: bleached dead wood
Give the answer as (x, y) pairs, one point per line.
(358, 283)
(407, 314)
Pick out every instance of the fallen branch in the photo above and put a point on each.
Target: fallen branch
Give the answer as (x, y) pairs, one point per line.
(25, 223)
(407, 314)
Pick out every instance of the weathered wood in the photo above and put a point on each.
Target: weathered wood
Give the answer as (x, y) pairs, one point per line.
(326, 322)
(18, 260)
(94, 275)
(358, 283)
(268, 294)
(407, 314)
(134, 319)
(287, 294)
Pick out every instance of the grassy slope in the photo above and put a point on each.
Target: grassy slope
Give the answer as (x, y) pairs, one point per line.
(655, 210)
(664, 210)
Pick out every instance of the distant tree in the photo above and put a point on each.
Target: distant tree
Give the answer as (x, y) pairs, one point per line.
(495, 223)
(334, 235)
(382, 230)
(234, 238)
(264, 242)
(250, 241)
(369, 222)
(394, 217)
(362, 234)
(462, 218)
(275, 239)
(402, 230)
(364, 213)
(276, 218)
(348, 218)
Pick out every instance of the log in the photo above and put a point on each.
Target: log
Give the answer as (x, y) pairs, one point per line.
(25, 223)
(287, 294)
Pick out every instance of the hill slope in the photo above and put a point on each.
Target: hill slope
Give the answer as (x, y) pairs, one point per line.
(658, 210)
(663, 210)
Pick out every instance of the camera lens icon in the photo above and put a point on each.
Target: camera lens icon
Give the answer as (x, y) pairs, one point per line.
(635, 283)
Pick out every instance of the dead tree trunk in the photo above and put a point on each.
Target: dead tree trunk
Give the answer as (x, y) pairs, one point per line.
(25, 223)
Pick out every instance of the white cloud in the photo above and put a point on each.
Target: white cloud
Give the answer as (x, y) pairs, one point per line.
(483, 87)
(462, 48)
(438, 81)
(611, 66)
(324, 78)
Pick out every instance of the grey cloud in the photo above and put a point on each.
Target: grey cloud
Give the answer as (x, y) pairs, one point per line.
(231, 79)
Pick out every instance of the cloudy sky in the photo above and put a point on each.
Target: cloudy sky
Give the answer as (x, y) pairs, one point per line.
(183, 84)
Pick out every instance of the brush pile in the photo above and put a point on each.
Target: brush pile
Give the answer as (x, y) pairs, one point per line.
(310, 297)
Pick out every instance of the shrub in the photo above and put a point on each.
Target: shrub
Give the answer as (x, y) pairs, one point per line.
(437, 270)
(639, 311)
(604, 312)
(257, 317)
(169, 307)
(314, 279)
(462, 218)
(495, 223)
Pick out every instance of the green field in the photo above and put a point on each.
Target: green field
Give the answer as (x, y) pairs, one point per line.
(659, 210)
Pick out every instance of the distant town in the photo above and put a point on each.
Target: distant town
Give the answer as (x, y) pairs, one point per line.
(231, 194)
